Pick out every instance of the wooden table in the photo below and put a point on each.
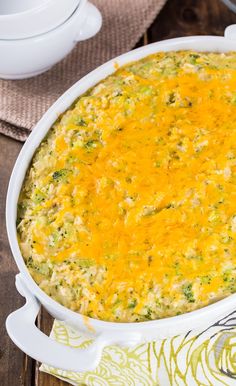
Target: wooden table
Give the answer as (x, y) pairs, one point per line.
(178, 18)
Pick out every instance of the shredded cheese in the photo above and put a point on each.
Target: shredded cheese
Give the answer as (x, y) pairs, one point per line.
(128, 210)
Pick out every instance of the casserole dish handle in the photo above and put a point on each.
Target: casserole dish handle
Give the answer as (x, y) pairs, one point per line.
(230, 32)
(24, 333)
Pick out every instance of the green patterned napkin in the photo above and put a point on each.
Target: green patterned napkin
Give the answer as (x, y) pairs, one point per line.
(205, 358)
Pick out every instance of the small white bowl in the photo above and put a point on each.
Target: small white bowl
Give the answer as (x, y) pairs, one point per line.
(27, 18)
(24, 58)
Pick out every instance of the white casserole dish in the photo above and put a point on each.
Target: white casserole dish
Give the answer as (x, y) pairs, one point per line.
(20, 324)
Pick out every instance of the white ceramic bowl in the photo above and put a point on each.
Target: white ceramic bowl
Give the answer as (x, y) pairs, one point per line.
(21, 19)
(24, 58)
(20, 324)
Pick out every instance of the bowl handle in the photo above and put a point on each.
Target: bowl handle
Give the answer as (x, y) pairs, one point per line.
(230, 32)
(92, 23)
(24, 333)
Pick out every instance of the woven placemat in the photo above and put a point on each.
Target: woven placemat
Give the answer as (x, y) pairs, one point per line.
(23, 102)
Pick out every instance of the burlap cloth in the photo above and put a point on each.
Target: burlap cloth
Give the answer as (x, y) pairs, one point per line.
(23, 102)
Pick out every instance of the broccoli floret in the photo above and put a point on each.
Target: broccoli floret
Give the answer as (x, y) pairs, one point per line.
(188, 292)
(80, 122)
(132, 304)
(60, 174)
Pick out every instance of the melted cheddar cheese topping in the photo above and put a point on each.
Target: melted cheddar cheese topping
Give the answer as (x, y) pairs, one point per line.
(128, 210)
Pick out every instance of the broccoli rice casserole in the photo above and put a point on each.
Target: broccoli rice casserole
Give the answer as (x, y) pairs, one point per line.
(128, 209)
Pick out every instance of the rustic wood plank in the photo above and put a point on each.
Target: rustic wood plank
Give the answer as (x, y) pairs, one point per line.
(141, 41)
(191, 17)
(16, 368)
(145, 38)
(27, 371)
(45, 322)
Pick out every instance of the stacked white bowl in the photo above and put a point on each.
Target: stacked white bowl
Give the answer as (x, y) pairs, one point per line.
(35, 35)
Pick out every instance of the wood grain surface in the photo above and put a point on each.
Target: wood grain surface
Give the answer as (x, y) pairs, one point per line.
(178, 18)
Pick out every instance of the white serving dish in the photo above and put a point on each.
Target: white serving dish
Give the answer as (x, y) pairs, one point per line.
(20, 324)
(24, 58)
(20, 19)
